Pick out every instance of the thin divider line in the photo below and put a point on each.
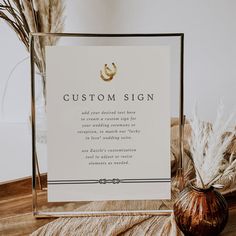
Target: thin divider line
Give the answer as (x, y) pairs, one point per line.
(109, 181)
(65, 180)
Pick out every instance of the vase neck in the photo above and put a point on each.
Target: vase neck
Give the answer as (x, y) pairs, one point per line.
(203, 190)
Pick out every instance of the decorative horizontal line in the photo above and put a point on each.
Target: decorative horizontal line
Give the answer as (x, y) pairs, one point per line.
(109, 181)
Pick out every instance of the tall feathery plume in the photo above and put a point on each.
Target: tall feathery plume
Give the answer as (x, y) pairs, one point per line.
(208, 144)
(13, 15)
(218, 143)
(25, 16)
(198, 144)
(30, 18)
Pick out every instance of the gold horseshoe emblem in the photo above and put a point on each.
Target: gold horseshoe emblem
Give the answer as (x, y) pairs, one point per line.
(109, 73)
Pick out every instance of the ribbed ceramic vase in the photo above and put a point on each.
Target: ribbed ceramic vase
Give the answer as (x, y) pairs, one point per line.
(201, 212)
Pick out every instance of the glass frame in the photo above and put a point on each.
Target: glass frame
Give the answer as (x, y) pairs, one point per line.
(37, 177)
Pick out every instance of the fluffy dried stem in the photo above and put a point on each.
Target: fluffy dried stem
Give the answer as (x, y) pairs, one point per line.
(208, 145)
(25, 16)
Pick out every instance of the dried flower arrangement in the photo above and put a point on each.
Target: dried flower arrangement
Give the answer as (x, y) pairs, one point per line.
(25, 16)
(208, 144)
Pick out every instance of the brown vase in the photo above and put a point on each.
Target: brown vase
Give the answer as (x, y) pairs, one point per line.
(201, 212)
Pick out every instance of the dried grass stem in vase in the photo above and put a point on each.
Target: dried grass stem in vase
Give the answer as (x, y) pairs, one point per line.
(25, 16)
(208, 145)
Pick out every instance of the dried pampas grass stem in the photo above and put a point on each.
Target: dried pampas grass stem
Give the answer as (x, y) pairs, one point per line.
(208, 144)
(25, 16)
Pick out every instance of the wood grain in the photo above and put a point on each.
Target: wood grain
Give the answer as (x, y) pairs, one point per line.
(16, 210)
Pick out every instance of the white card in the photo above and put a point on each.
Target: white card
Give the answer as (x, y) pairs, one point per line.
(108, 112)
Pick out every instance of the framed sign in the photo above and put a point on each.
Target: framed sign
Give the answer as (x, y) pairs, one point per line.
(109, 101)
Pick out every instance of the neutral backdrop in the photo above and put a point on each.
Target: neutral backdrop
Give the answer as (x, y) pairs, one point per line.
(210, 63)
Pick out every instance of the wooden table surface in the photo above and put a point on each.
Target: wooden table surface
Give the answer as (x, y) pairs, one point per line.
(16, 211)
